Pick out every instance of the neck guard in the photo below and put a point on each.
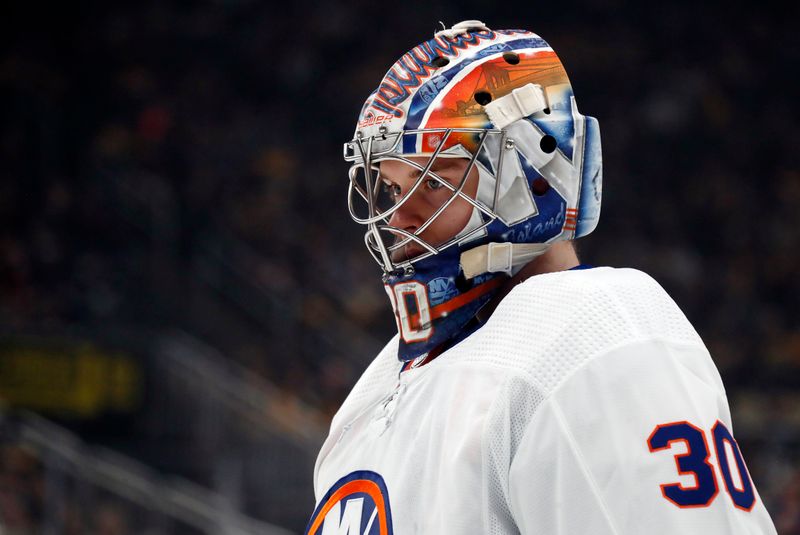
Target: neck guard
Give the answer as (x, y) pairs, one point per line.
(434, 303)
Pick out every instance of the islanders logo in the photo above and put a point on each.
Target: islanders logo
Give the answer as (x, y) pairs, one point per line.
(441, 289)
(357, 504)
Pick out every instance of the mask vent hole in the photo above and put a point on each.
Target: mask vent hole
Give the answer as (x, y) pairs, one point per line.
(439, 62)
(483, 97)
(511, 58)
(540, 186)
(548, 144)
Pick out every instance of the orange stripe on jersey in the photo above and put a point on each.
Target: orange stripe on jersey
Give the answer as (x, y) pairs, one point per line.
(359, 485)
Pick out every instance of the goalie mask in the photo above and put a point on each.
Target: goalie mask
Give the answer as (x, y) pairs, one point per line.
(497, 106)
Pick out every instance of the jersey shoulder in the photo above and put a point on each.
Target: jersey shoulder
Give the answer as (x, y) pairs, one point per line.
(553, 323)
(378, 379)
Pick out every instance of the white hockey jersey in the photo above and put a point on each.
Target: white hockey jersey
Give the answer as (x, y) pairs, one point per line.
(587, 404)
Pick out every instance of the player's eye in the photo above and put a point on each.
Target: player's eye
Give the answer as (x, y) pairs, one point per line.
(393, 190)
(433, 184)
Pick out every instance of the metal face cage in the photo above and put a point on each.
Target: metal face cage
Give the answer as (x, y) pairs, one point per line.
(370, 204)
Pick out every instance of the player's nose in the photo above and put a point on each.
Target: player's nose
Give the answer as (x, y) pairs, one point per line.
(408, 216)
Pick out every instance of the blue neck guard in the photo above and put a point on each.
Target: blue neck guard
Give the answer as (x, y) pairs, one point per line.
(434, 303)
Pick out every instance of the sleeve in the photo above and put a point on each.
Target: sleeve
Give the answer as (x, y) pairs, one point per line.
(638, 440)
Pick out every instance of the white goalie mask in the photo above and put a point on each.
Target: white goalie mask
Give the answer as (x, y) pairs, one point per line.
(500, 102)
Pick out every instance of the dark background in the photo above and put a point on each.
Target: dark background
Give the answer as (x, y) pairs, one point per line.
(171, 176)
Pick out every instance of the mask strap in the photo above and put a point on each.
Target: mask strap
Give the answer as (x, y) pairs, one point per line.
(499, 257)
(521, 102)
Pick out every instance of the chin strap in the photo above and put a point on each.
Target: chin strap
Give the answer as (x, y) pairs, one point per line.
(500, 257)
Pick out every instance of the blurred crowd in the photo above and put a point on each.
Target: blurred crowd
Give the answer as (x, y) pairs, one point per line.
(24, 500)
(177, 165)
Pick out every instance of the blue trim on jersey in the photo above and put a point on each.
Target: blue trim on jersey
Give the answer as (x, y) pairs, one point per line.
(581, 266)
(362, 475)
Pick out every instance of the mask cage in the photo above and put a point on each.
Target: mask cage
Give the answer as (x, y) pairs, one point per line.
(370, 204)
